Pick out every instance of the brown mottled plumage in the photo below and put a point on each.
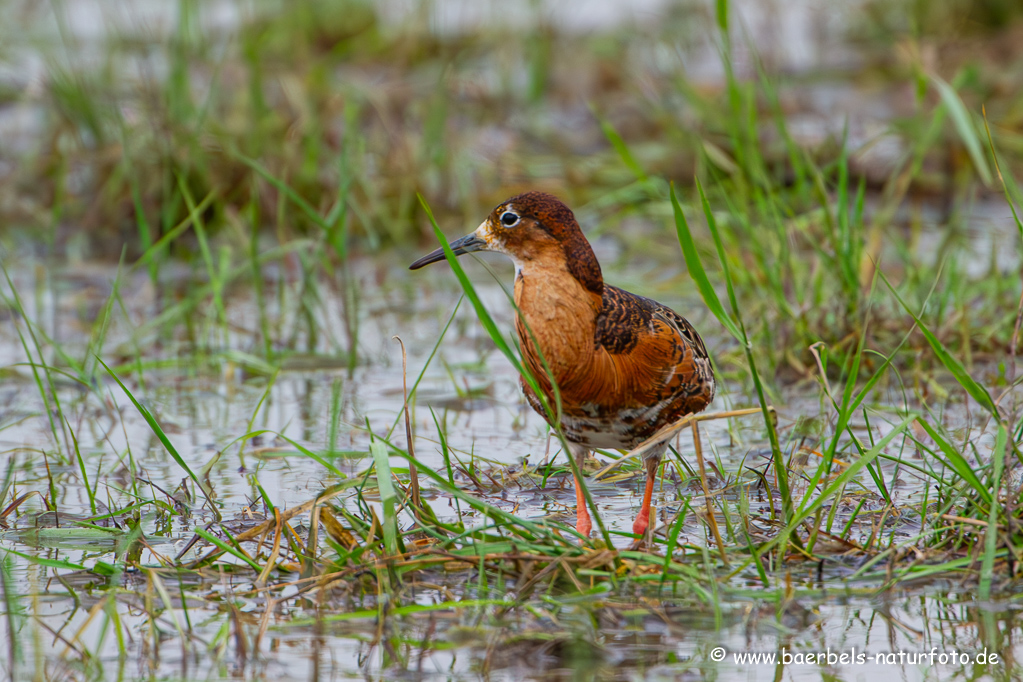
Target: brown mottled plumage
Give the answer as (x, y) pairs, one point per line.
(624, 365)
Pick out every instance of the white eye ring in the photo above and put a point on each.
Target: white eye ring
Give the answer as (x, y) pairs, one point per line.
(509, 219)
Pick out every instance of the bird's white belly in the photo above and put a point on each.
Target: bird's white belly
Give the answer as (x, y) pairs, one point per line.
(599, 433)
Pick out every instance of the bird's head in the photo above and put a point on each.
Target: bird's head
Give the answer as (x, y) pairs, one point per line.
(531, 228)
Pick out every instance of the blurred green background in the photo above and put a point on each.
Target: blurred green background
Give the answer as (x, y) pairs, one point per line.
(830, 136)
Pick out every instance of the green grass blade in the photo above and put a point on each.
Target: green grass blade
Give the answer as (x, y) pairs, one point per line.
(43, 561)
(987, 564)
(721, 14)
(173, 233)
(957, 461)
(1001, 178)
(964, 126)
(162, 436)
(426, 364)
(619, 145)
(388, 497)
(224, 547)
(285, 189)
(669, 549)
(520, 526)
(951, 363)
(712, 225)
(696, 271)
(738, 331)
(81, 468)
(53, 408)
(200, 232)
(853, 469)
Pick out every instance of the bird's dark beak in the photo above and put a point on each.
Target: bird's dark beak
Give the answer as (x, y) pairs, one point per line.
(466, 244)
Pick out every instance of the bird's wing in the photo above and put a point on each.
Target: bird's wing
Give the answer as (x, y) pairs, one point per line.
(650, 360)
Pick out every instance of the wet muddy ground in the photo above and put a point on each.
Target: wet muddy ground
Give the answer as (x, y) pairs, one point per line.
(232, 523)
(447, 621)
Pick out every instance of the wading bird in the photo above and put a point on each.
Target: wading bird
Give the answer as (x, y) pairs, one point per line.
(624, 365)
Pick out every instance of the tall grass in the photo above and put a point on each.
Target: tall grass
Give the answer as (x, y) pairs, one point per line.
(735, 327)
(210, 171)
(257, 190)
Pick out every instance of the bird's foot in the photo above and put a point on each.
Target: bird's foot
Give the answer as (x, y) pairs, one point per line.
(641, 524)
(583, 525)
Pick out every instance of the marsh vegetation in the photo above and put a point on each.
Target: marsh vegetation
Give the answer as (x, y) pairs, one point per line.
(218, 461)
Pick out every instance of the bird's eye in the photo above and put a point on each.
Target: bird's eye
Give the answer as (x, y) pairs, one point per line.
(508, 219)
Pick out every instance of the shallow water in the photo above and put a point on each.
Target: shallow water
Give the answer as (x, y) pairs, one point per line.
(208, 389)
(469, 386)
(206, 406)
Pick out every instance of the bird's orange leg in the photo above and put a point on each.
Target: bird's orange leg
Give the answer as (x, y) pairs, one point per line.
(583, 524)
(582, 516)
(643, 520)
